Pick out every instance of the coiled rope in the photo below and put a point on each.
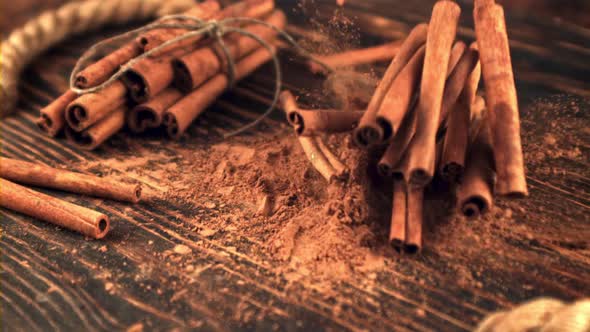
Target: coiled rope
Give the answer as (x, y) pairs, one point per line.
(51, 27)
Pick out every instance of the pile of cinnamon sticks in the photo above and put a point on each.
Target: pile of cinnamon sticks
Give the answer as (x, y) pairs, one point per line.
(428, 114)
(21, 199)
(170, 89)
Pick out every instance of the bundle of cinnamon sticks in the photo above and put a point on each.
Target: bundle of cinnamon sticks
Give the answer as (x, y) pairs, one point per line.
(27, 201)
(429, 116)
(169, 89)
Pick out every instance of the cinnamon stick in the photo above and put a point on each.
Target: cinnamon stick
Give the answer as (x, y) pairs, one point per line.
(51, 119)
(368, 131)
(90, 108)
(397, 233)
(194, 68)
(475, 193)
(415, 210)
(94, 136)
(313, 122)
(389, 165)
(56, 211)
(336, 163)
(98, 72)
(457, 134)
(316, 157)
(422, 149)
(154, 38)
(178, 117)
(150, 114)
(383, 52)
(502, 102)
(400, 96)
(48, 177)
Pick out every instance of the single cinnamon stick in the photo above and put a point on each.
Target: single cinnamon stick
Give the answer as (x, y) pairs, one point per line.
(48, 177)
(150, 76)
(415, 210)
(194, 68)
(422, 149)
(397, 233)
(178, 117)
(400, 96)
(502, 102)
(90, 108)
(389, 165)
(336, 163)
(56, 211)
(98, 72)
(475, 193)
(383, 52)
(150, 114)
(245, 8)
(51, 119)
(457, 134)
(312, 122)
(94, 136)
(368, 131)
(154, 38)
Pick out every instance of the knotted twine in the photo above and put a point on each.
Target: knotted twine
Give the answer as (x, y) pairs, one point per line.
(196, 27)
(76, 17)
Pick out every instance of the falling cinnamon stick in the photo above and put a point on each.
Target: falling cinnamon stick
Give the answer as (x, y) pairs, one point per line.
(383, 52)
(56, 211)
(389, 163)
(422, 149)
(368, 131)
(397, 233)
(98, 72)
(178, 117)
(90, 108)
(154, 38)
(415, 210)
(94, 136)
(150, 114)
(400, 96)
(313, 122)
(475, 193)
(48, 177)
(194, 68)
(457, 134)
(502, 102)
(51, 119)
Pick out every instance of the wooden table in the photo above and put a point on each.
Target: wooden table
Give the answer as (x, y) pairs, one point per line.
(53, 279)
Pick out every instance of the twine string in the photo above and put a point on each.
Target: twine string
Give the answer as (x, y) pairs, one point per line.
(196, 27)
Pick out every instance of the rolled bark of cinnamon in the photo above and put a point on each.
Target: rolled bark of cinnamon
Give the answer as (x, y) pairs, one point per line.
(368, 131)
(94, 136)
(313, 122)
(384, 52)
(90, 108)
(475, 193)
(397, 233)
(400, 96)
(502, 102)
(48, 177)
(246, 8)
(194, 68)
(98, 72)
(178, 117)
(150, 76)
(389, 165)
(422, 149)
(336, 163)
(51, 119)
(154, 38)
(56, 211)
(415, 211)
(457, 134)
(317, 158)
(150, 114)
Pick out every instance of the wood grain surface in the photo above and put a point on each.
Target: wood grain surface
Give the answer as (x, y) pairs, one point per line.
(53, 279)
